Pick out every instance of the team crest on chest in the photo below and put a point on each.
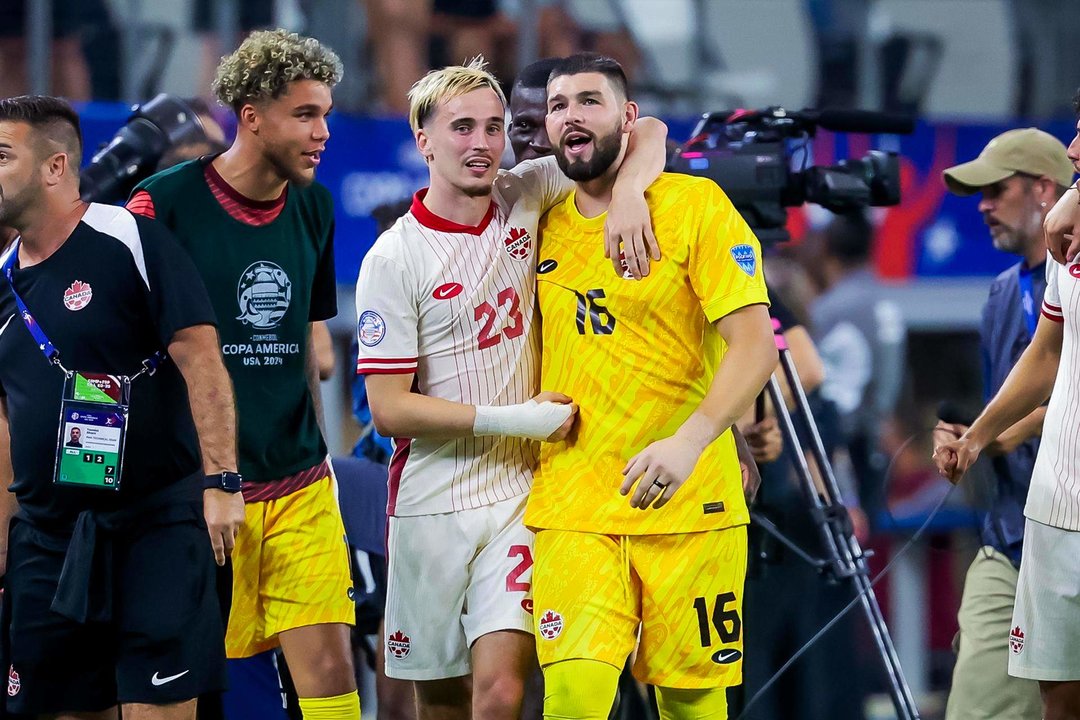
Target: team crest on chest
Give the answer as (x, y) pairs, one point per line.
(263, 293)
(78, 295)
(518, 243)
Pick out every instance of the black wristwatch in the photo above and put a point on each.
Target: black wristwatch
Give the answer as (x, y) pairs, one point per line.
(227, 481)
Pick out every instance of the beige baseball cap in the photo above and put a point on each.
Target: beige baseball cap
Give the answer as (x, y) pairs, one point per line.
(1027, 150)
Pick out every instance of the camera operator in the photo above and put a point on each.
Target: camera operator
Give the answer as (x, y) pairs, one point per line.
(787, 601)
(1019, 174)
(862, 339)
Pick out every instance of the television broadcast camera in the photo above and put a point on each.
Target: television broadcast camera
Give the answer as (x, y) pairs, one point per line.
(746, 152)
(132, 154)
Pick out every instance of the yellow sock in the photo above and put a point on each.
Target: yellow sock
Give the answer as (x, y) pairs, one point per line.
(579, 690)
(679, 704)
(339, 707)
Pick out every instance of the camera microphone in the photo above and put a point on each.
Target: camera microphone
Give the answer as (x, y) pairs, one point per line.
(858, 121)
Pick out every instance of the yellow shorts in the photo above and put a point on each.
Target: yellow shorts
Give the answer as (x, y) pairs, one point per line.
(592, 593)
(290, 569)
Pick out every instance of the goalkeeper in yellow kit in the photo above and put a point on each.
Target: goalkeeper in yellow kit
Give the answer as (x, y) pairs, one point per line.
(640, 512)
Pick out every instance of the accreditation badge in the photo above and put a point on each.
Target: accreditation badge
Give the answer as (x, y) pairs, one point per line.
(93, 426)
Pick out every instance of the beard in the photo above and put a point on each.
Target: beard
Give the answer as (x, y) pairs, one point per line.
(479, 190)
(14, 205)
(1008, 241)
(279, 157)
(605, 151)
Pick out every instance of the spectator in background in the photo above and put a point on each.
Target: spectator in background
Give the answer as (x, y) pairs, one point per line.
(463, 29)
(252, 15)
(70, 71)
(862, 340)
(1020, 174)
(838, 27)
(398, 33)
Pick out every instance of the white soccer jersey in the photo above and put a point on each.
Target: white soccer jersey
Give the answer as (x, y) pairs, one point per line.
(456, 306)
(1054, 495)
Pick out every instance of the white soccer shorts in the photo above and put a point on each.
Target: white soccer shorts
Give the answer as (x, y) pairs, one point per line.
(452, 578)
(1045, 630)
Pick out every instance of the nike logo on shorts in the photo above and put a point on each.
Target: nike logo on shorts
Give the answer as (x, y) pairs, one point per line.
(155, 680)
(725, 657)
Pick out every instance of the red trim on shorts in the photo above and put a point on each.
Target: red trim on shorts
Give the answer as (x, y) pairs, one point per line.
(141, 204)
(430, 220)
(276, 489)
(397, 466)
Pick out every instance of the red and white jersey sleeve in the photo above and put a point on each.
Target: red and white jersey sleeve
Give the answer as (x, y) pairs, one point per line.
(386, 327)
(1051, 307)
(1054, 494)
(456, 306)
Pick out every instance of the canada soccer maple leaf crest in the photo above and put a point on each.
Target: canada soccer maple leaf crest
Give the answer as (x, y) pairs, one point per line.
(518, 243)
(399, 645)
(1016, 640)
(551, 624)
(78, 295)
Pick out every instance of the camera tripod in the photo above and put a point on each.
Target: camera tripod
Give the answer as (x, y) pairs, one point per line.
(844, 557)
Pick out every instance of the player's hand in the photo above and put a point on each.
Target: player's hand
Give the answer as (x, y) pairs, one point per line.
(628, 235)
(945, 432)
(659, 471)
(1061, 228)
(860, 524)
(748, 468)
(224, 513)
(751, 480)
(568, 424)
(765, 440)
(953, 458)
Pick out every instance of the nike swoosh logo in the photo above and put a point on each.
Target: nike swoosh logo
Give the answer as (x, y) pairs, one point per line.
(447, 291)
(724, 657)
(155, 680)
(2, 329)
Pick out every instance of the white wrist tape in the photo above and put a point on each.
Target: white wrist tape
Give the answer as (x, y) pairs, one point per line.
(529, 419)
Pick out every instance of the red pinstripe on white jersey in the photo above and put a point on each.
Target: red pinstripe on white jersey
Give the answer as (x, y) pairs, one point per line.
(455, 306)
(1054, 495)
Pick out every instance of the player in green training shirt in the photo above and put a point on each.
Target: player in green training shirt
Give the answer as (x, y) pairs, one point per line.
(260, 230)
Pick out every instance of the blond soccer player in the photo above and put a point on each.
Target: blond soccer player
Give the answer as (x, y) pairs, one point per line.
(450, 352)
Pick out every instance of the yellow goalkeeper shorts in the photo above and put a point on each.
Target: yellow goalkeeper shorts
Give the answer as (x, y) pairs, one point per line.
(683, 592)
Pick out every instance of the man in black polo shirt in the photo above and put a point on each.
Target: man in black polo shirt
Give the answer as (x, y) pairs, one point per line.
(110, 578)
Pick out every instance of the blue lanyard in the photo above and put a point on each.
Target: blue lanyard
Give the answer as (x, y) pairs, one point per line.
(1027, 300)
(42, 340)
(150, 365)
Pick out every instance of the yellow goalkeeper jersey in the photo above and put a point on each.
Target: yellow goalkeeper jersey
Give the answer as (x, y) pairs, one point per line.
(638, 356)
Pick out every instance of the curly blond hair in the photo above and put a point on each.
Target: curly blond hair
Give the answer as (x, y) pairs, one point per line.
(267, 61)
(441, 85)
